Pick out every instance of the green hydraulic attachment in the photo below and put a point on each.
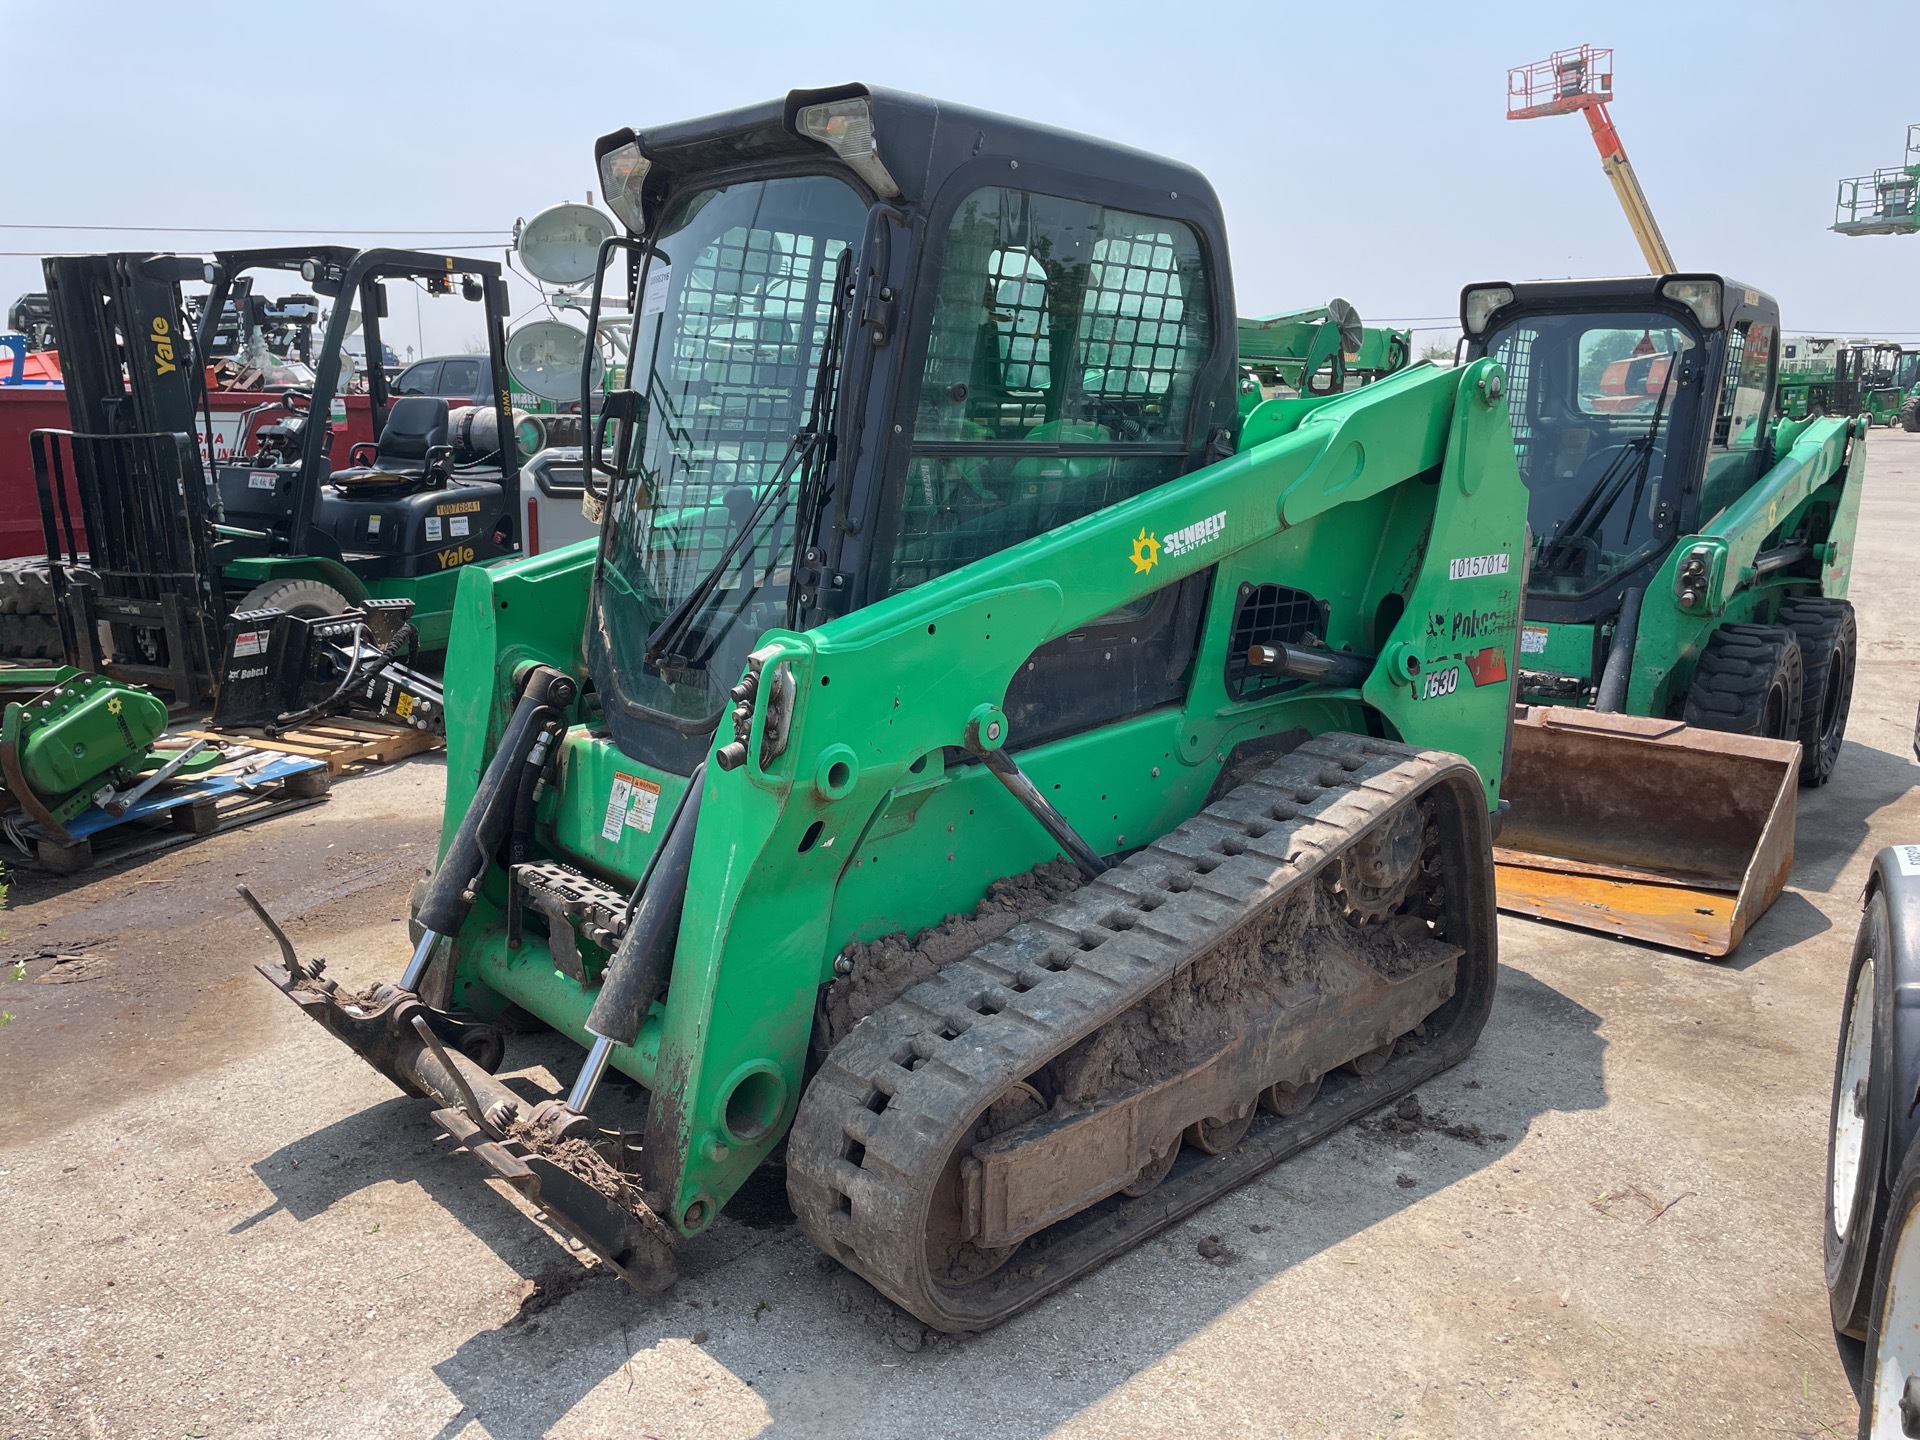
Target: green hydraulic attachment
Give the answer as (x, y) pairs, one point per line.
(77, 741)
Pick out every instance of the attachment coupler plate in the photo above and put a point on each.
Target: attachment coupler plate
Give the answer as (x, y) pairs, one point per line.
(577, 1181)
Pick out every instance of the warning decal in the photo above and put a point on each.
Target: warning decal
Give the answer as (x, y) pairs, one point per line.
(631, 802)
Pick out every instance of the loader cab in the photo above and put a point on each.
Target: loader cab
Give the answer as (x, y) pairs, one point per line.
(877, 339)
(1641, 408)
(424, 488)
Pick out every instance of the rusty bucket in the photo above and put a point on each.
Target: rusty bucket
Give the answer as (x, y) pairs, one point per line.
(1645, 828)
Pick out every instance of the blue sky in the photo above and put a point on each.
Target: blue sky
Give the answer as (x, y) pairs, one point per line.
(1358, 149)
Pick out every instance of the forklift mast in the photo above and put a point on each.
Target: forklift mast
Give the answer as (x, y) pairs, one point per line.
(132, 384)
(128, 361)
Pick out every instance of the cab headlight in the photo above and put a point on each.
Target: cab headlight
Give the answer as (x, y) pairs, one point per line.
(846, 128)
(623, 174)
(1479, 303)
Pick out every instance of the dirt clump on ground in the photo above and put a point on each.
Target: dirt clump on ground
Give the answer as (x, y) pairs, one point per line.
(885, 969)
(1408, 1120)
(1214, 1250)
(879, 1316)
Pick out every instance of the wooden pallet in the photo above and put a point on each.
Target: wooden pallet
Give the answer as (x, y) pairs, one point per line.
(342, 742)
(237, 792)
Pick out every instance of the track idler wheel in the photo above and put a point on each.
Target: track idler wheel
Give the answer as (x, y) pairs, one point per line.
(1286, 1100)
(1153, 1172)
(1218, 1134)
(1372, 1062)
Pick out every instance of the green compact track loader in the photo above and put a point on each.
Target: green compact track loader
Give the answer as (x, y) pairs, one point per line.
(1687, 638)
(975, 768)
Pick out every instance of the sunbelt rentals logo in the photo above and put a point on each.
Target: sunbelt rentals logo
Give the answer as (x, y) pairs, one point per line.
(1146, 552)
(1148, 548)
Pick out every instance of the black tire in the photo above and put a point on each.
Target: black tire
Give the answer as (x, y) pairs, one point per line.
(30, 637)
(26, 587)
(1858, 1124)
(1829, 649)
(311, 598)
(1910, 415)
(1749, 682)
(1890, 1386)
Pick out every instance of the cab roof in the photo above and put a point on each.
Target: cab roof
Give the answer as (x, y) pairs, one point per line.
(920, 141)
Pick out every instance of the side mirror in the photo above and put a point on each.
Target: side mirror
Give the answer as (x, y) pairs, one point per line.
(622, 406)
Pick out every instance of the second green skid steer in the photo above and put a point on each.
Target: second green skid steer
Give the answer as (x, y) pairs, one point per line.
(976, 765)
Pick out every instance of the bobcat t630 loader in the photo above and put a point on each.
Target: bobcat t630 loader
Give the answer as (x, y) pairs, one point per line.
(974, 762)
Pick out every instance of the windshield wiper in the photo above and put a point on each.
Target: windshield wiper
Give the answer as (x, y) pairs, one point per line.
(1632, 464)
(822, 421)
(663, 645)
(810, 448)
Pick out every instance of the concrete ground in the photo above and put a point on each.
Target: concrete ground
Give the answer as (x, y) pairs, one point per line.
(218, 1224)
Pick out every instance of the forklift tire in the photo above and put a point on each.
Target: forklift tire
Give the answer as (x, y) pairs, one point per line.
(1829, 646)
(1749, 682)
(30, 637)
(312, 599)
(26, 587)
(1910, 415)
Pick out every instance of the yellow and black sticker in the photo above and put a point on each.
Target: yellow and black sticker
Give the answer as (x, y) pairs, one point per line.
(458, 507)
(162, 338)
(1146, 552)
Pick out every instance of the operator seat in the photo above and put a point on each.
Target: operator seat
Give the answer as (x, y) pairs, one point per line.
(413, 452)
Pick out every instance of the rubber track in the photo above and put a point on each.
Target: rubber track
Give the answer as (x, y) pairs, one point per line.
(860, 1177)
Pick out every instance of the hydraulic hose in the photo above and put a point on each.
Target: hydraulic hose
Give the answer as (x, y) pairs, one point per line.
(1612, 697)
(449, 896)
(638, 970)
(520, 833)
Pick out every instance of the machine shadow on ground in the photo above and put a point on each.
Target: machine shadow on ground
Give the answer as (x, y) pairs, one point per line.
(1836, 821)
(579, 1328)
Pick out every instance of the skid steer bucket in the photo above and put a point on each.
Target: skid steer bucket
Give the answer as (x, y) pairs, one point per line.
(1644, 827)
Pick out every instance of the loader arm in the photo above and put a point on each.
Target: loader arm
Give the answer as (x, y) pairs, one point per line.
(1734, 566)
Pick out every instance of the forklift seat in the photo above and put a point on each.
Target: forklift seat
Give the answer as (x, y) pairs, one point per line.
(413, 450)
